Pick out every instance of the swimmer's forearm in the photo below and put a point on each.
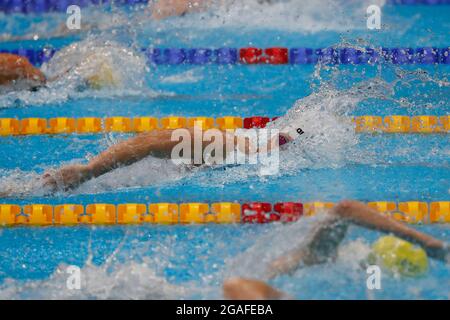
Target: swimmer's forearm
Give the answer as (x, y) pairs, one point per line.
(286, 264)
(157, 143)
(319, 245)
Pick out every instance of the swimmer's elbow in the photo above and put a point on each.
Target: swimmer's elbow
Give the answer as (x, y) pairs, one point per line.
(344, 207)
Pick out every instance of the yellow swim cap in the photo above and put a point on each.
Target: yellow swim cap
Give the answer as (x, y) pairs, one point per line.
(104, 77)
(399, 256)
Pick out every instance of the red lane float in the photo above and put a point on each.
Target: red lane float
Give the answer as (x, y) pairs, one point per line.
(269, 56)
(258, 212)
(289, 211)
(255, 122)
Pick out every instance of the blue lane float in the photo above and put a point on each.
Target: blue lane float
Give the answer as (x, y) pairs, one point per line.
(36, 57)
(300, 56)
(171, 56)
(419, 2)
(428, 55)
(42, 6)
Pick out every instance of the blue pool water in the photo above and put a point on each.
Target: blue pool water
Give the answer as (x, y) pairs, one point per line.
(191, 261)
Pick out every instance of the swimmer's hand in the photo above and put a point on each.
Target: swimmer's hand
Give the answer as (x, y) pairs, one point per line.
(167, 8)
(250, 289)
(67, 177)
(287, 264)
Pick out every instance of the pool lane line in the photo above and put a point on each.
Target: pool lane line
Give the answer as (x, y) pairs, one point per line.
(273, 55)
(425, 124)
(43, 6)
(414, 212)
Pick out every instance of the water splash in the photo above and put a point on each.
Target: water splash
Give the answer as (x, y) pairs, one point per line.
(329, 141)
(52, 25)
(20, 184)
(137, 272)
(255, 261)
(110, 280)
(120, 69)
(289, 15)
(189, 76)
(149, 171)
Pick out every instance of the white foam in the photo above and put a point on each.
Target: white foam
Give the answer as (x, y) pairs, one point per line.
(329, 141)
(132, 274)
(189, 76)
(69, 68)
(131, 280)
(19, 183)
(149, 171)
(290, 15)
(268, 246)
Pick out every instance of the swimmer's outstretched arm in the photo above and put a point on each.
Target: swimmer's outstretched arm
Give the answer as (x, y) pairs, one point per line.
(157, 143)
(325, 239)
(320, 246)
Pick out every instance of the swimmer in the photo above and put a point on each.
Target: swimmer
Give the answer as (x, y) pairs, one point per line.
(160, 144)
(157, 144)
(396, 252)
(166, 8)
(17, 73)
(87, 64)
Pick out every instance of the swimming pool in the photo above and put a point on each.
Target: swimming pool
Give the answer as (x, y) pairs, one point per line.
(151, 261)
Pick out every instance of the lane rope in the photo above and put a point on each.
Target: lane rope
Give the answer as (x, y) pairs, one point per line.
(92, 125)
(273, 56)
(415, 212)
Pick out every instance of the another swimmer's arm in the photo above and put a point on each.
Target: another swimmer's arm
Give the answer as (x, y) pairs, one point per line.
(367, 217)
(321, 246)
(325, 239)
